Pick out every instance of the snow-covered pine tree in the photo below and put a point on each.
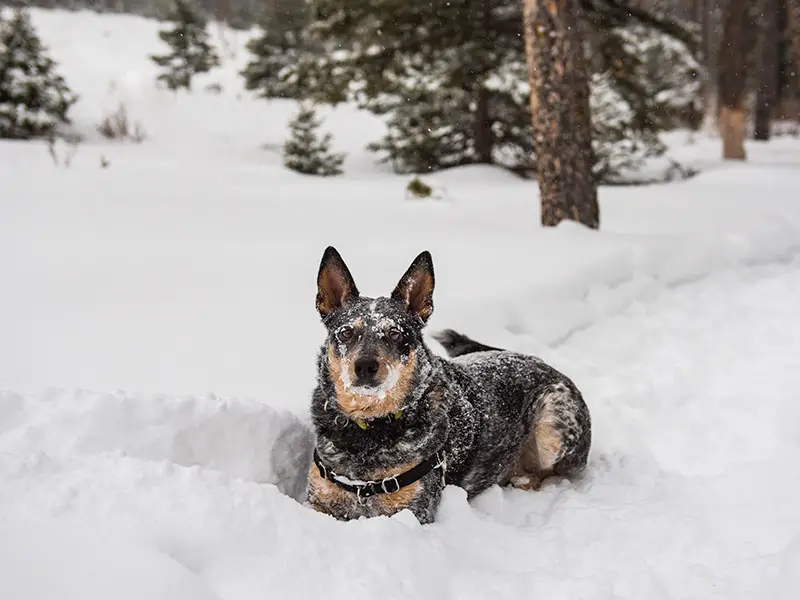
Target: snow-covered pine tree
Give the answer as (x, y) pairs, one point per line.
(452, 78)
(644, 82)
(282, 45)
(34, 99)
(305, 152)
(191, 51)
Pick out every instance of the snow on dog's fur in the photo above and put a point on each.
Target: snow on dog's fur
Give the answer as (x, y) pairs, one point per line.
(385, 403)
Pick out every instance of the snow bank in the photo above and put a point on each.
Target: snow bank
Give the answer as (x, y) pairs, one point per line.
(245, 440)
(44, 562)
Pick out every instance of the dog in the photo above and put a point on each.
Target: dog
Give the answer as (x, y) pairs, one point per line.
(394, 422)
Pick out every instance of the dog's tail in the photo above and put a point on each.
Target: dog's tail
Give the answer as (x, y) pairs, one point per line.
(457, 344)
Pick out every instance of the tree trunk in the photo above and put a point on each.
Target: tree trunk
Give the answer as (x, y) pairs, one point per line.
(707, 10)
(483, 127)
(794, 41)
(562, 132)
(483, 123)
(733, 80)
(768, 70)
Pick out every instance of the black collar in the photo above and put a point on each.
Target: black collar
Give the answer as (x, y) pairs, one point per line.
(387, 485)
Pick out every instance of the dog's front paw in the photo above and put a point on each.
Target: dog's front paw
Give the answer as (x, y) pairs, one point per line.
(526, 482)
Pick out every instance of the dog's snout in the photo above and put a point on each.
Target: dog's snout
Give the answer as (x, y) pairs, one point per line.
(366, 370)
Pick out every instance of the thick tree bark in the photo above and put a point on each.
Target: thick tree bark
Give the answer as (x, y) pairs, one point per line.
(793, 33)
(483, 127)
(562, 132)
(768, 70)
(733, 80)
(483, 124)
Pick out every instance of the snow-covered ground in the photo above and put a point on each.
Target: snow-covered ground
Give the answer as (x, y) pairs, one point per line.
(158, 334)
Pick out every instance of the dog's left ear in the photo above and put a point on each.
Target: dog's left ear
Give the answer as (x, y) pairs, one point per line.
(415, 289)
(335, 285)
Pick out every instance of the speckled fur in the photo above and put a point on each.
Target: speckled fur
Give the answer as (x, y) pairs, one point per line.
(484, 406)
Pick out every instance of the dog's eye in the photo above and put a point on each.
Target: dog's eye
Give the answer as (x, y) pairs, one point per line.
(395, 335)
(345, 334)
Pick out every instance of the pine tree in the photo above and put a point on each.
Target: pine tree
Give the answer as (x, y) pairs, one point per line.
(34, 99)
(451, 77)
(282, 44)
(191, 52)
(304, 152)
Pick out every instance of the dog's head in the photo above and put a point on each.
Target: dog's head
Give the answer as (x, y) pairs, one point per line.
(373, 344)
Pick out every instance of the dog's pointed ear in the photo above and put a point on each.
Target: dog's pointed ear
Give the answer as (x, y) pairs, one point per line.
(335, 285)
(415, 289)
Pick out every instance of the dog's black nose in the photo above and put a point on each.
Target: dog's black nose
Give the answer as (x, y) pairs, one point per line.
(366, 370)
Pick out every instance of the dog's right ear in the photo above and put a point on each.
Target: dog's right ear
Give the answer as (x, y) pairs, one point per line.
(415, 289)
(335, 285)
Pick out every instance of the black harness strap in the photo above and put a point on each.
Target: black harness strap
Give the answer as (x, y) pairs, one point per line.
(387, 485)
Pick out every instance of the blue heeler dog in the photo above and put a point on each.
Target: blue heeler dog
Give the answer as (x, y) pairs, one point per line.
(395, 423)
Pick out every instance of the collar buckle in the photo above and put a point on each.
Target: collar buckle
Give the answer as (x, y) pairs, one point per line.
(396, 483)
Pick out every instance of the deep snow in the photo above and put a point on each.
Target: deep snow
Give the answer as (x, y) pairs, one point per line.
(158, 338)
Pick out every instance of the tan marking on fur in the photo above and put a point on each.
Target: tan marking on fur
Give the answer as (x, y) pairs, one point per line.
(322, 492)
(370, 407)
(537, 456)
(383, 369)
(525, 472)
(548, 444)
(400, 499)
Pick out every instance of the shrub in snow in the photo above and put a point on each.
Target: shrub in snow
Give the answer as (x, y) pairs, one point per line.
(419, 189)
(191, 52)
(416, 189)
(34, 99)
(117, 126)
(305, 152)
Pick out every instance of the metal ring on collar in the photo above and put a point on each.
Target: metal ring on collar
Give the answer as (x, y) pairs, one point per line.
(392, 478)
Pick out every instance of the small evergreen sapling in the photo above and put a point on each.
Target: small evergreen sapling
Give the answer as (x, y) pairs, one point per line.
(305, 152)
(34, 99)
(191, 51)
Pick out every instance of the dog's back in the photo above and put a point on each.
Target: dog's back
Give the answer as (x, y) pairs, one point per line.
(533, 418)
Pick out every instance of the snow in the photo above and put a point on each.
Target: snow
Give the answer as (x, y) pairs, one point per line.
(159, 337)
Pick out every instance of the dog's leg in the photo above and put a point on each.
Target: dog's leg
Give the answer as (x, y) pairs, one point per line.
(524, 474)
(559, 440)
(326, 497)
